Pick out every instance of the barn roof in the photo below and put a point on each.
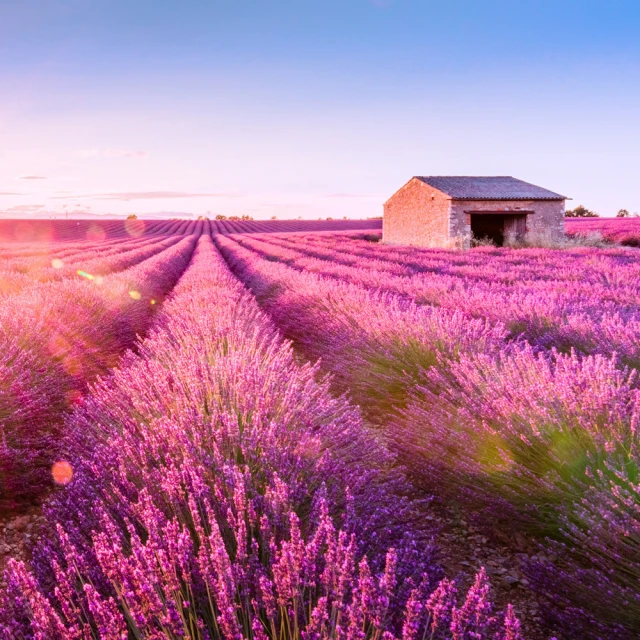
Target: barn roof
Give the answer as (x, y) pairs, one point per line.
(489, 188)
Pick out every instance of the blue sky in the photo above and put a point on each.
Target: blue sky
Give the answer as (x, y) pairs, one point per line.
(311, 107)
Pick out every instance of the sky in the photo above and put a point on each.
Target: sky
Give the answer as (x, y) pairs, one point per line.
(311, 108)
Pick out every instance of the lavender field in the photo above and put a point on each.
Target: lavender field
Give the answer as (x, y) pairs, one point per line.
(263, 430)
(625, 231)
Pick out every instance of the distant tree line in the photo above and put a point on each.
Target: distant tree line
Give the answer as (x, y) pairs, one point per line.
(232, 218)
(583, 212)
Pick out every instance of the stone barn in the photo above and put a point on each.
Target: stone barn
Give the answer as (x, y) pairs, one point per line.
(445, 211)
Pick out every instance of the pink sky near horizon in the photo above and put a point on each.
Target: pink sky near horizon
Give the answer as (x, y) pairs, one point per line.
(105, 181)
(45, 175)
(312, 109)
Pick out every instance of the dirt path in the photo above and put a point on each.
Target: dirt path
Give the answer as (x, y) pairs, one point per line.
(17, 533)
(466, 548)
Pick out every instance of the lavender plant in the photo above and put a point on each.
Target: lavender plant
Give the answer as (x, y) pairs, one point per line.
(541, 439)
(209, 500)
(55, 338)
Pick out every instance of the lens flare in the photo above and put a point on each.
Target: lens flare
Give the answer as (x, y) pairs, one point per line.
(135, 228)
(84, 274)
(135, 295)
(56, 263)
(62, 472)
(94, 232)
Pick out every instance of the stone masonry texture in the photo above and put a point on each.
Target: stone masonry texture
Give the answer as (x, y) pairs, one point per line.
(419, 215)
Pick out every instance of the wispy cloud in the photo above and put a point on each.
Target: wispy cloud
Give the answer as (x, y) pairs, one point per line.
(351, 195)
(40, 212)
(31, 178)
(11, 193)
(24, 208)
(112, 153)
(145, 195)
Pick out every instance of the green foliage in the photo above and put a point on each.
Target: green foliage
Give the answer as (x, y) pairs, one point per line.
(581, 212)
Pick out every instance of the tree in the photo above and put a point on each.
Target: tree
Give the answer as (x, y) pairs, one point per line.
(273, 218)
(132, 216)
(247, 217)
(221, 217)
(623, 213)
(581, 212)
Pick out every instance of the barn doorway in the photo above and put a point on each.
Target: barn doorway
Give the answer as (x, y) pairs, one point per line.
(495, 226)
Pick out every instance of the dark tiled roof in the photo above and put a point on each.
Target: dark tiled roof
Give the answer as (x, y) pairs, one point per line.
(488, 188)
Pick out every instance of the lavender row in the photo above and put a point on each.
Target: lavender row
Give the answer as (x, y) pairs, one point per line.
(35, 265)
(226, 227)
(61, 249)
(597, 316)
(16, 275)
(541, 441)
(485, 264)
(510, 269)
(54, 339)
(51, 231)
(625, 231)
(210, 501)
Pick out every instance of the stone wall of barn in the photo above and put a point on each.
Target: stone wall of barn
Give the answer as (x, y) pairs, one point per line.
(547, 216)
(417, 215)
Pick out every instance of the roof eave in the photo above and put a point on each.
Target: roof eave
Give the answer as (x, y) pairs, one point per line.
(505, 198)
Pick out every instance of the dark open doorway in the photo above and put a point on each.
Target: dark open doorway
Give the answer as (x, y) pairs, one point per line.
(494, 226)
